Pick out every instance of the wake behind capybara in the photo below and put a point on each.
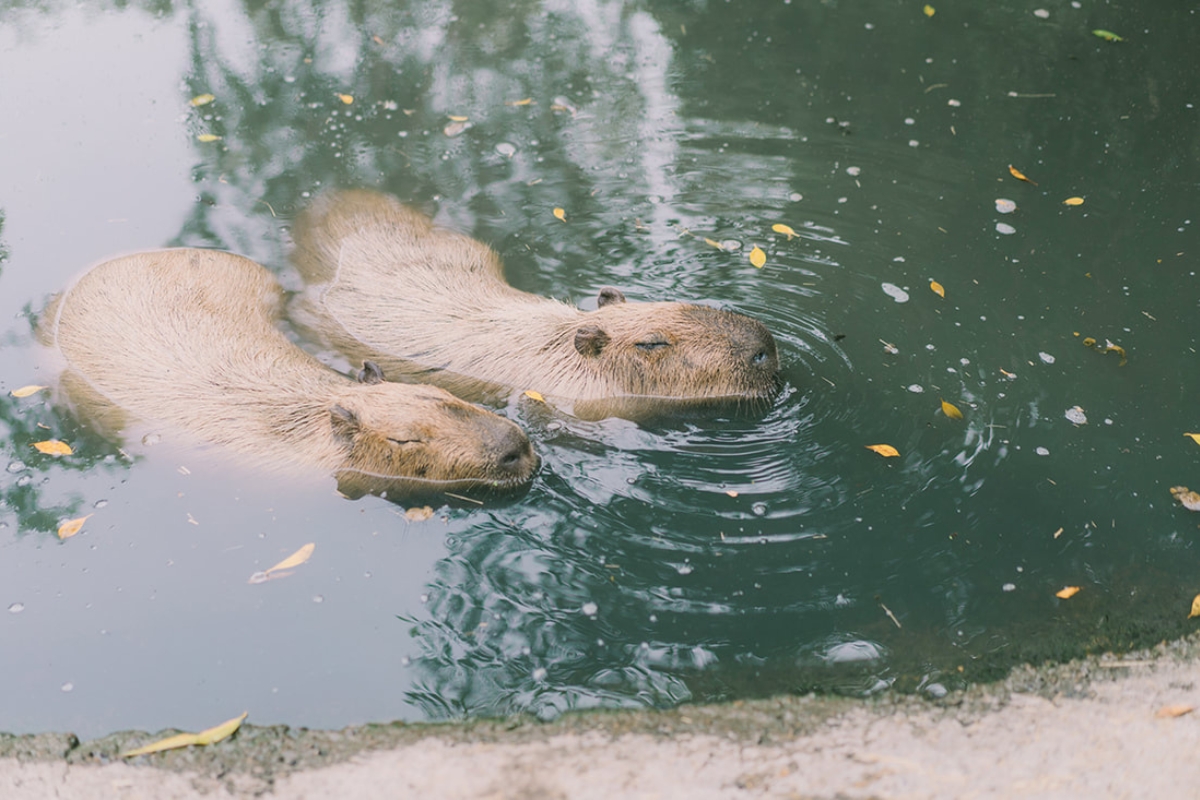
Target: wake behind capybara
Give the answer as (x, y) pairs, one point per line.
(384, 283)
(187, 339)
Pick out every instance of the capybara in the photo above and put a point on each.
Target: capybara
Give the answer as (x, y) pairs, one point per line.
(187, 339)
(385, 284)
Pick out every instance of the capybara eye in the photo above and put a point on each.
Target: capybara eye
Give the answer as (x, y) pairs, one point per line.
(650, 347)
(403, 441)
(760, 357)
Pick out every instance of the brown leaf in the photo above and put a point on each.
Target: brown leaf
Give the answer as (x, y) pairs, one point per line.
(1016, 173)
(53, 447)
(72, 527)
(885, 450)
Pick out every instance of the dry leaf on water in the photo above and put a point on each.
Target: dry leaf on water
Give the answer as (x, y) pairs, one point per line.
(561, 215)
(1187, 498)
(25, 391)
(294, 560)
(885, 450)
(937, 288)
(758, 257)
(208, 137)
(1195, 437)
(532, 395)
(418, 514)
(1016, 173)
(53, 447)
(1067, 592)
(205, 737)
(346, 98)
(1170, 712)
(951, 410)
(72, 527)
(779, 227)
(522, 102)
(1073, 201)
(713, 243)
(1195, 607)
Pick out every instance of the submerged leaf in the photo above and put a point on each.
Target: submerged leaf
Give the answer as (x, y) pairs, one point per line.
(937, 288)
(205, 737)
(758, 257)
(885, 450)
(295, 559)
(1067, 592)
(951, 410)
(930, 11)
(25, 391)
(72, 527)
(779, 227)
(1107, 36)
(53, 447)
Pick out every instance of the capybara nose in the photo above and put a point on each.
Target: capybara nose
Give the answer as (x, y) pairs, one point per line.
(515, 454)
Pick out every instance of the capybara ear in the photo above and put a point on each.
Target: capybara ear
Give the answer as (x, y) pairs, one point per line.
(609, 295)
(590, 340)
(370, 373)
(343, 421)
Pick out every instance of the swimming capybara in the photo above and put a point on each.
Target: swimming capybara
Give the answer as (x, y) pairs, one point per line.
(187, 339)
(385, 284)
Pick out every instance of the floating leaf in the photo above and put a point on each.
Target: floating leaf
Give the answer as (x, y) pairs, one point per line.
(1109, 347)
(714, 243)
(1058, 533)
(53, 447)
(205, 737)
(1073, 201)
(25, 391)
(295, 559)
(1170, 712)
(937, 288)
(786, 230)
(885, 450)
(559, 214)
(1107, 36)
(758, 257)
(208, 137)
(1067, 592)
(522, 102)
(930, 11)
(731, 492)
(71, 527)
(202, 100)
(951, 410)
(1195, 607)
(1016, 173)
(346, 98)
(532, 395)
(456, 118)
(1195, 437)
(1186, 497)
(418, 514)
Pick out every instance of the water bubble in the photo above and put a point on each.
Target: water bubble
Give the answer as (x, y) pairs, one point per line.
(1041, 13)
(795, 197)
(1041, 451)
(539, 674)
(16, 608)
(1009, 587)
(854, 172)
(506, 149)
(68, 686)
(916, 388)
(590, 609)
(151, 439)
(731, 244)
(684, 569)
(759, 509)
(318, 598)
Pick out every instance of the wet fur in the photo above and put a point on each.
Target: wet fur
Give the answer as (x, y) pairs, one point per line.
(189, 338)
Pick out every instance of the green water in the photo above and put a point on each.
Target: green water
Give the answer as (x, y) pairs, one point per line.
(689, 559)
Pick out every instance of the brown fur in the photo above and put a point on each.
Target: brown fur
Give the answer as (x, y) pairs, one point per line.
(385, 284)
(188, 338)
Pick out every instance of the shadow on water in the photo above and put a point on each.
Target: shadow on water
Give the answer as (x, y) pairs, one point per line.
(715, 555)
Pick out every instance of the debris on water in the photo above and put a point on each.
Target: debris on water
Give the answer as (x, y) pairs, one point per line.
(916, 388)
(1046, 358)
(1005, 228)
(1005, 206)
(1009, 587)
(1075, 414)
(1186, 497)
(895, 292)
(506, 149)
(1041, 451)
(590, 609)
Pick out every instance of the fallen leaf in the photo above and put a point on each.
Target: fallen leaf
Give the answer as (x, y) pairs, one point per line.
(1109, 347)
(532, 395)
(779, 227)
(951, 410)
(53, 447)
(1073, 201)
(758, 257)
(456, 118)
(454, 129)
(1186, 497)
(731, 493)
(937, 288)
(1016, 173)
(1067, 592)
(885, 450)
(418, 514)
(202, 100)
(1107, 36)
(71, 527)
(1195, 437)
(208, 137)
(1195, 607)
(1170, 712)
(25, 391)
(930, 11)
(205, 737)
(522, 102)
(295, 559)
(714, 243)
(559, 214)
(1058, 533)
(346, 98)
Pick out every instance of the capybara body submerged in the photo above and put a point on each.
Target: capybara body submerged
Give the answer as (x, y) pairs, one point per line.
(384, 283)
(188, 339)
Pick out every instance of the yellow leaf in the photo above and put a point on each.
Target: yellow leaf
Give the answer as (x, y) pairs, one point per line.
(779, 227)
(208, 137)
(1170, 712)
(1195, 437)
(210, 736)
(1195, 607)
(25, 391)
(202, 100)
(455, 118)
(714, 243)
(71, 527)
(951, 410)
(295, 559)
(346, 98)
(1073, 201)
(1186, 497)
(522, 102)
(758, 257)
(532, 395)
(937, 288)
(885, 450)
(53, 447)
(560, 214)
(930, 11)
(418, 514)
(1067, 592)
(1016, 173)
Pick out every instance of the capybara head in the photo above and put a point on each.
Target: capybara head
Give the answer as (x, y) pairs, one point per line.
(678, 350)
(415, 436)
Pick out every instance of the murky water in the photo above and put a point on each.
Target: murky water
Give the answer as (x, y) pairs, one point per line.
(693, 558)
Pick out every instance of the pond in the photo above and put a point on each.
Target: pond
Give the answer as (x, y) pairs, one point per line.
(863, 148)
